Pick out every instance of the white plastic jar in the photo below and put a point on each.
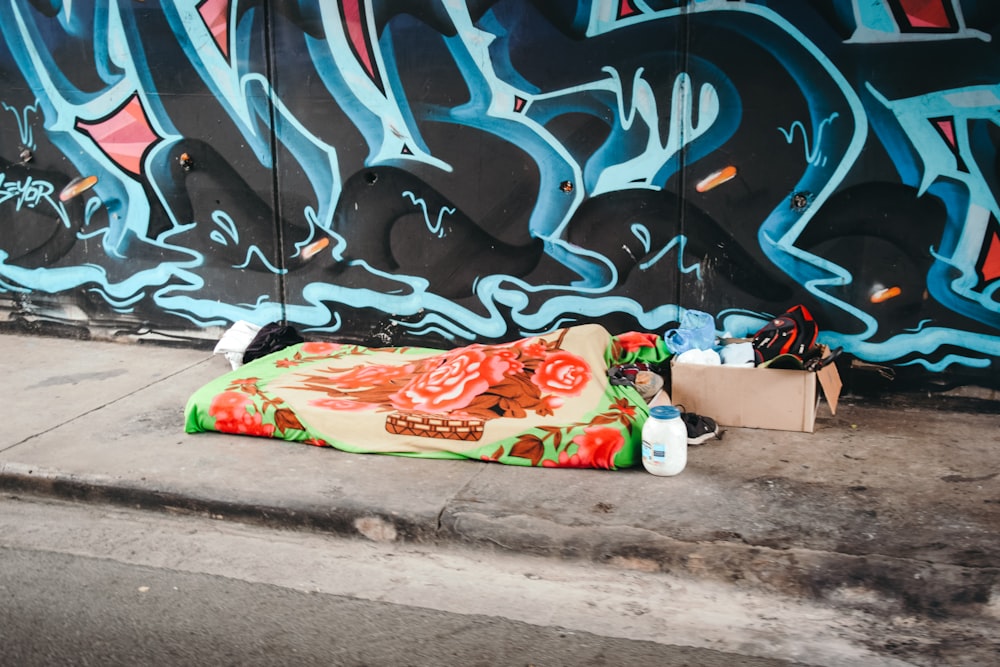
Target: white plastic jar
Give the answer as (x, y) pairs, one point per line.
(664, 441)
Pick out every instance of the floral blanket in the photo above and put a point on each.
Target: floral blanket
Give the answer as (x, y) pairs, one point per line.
(540, 401)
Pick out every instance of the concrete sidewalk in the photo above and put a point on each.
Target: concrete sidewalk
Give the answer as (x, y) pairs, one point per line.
(893, 507)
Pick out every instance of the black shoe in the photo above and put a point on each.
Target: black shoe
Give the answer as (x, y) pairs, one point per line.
(700, 429)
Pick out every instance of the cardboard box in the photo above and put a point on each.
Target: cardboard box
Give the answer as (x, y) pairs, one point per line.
(783, 400)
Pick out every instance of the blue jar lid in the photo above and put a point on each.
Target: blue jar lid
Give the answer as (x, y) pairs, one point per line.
(664, 412)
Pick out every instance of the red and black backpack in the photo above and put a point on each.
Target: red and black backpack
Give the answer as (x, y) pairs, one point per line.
(793, 332)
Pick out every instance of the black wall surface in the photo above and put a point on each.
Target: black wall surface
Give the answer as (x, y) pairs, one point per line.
(434, 172)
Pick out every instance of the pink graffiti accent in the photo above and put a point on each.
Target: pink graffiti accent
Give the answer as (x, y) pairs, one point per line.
(946, 128)
(125, 135)
(215, 14)
(989, 269)
(353, 14)
(926, 14)
(626, 9)
(519, 103)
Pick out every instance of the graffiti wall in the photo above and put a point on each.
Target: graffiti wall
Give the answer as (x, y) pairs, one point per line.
(437, 172)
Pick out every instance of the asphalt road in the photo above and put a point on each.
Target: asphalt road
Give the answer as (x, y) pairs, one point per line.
(98, 585)
(60, 609)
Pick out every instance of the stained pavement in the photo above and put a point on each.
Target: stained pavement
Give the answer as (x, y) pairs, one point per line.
(891, 504)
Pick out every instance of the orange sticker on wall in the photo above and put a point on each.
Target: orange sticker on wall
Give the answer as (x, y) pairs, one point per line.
(883, 295)
(716, 179)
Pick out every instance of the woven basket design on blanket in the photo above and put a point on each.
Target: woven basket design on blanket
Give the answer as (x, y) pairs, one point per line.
(434, 426)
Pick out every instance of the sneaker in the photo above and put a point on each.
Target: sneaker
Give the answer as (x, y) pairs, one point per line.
(700, 429)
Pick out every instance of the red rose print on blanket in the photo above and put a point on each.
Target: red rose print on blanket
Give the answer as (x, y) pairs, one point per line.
(532, 347)
(455, 383)
(562, 373)
(370, 376)
(343, 404)
(232, 416)
(320, 348)
(596, 448)
(474, 382)
(509, 360)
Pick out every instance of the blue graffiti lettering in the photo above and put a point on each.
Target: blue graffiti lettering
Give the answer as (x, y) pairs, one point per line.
(23, 123)
(813, 155)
